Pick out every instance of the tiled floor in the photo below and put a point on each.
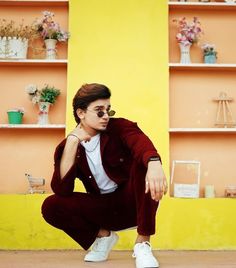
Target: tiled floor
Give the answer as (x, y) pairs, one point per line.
(118, 259)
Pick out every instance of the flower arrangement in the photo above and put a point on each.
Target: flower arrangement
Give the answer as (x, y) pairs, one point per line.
(46, 94)
(10, 29)
(209, 50)
(188, 33)
(49, 29)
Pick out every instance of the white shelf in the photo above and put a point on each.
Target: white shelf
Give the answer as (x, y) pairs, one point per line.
(202, 130)
(202, 66)
(32, 126)
(34, 2)
(200, 5)
(33, 62)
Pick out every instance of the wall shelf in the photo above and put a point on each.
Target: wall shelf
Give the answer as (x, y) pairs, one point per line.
(201, 6)
(202, 66)
(32, 126)
(30, 62)
(34, 2)
(202, 130)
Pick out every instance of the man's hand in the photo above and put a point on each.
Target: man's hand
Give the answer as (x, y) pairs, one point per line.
(80, 133)
(155, 180)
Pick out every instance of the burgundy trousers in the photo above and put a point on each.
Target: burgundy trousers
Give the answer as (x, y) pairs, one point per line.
(81, 215)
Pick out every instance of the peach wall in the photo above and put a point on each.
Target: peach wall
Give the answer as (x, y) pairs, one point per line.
(30, 150)
(219, 29)
(192, 94)
(217, 155)
(26, 151)
(29, 13)
(191, 99)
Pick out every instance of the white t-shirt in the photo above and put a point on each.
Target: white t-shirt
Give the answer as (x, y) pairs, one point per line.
(93, 154)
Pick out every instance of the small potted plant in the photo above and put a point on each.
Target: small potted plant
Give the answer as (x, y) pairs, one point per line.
(14, 39)
(15, 115)
(209, 53)
(51, 32)
(44, 98)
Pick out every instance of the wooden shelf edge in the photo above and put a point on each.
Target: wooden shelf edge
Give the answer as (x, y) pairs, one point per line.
(202, 66)
(34, 2)
(200, 5)
(31, 62)
(202, 130)
(32, 126)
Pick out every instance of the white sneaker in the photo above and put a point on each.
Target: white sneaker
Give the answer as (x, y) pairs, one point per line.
(144, 256)
(101, 248)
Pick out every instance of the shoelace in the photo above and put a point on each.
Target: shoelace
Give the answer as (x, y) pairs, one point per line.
(99, 244)
(145, 248)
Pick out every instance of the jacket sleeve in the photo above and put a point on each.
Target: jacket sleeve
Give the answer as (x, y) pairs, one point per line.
(140, 145)
(62, 186)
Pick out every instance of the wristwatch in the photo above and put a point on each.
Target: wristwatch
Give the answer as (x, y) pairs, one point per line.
(154, 158)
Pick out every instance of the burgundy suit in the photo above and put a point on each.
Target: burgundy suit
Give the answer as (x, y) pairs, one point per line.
(125, 151)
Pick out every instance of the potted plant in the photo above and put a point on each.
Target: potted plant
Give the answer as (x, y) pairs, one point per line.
(44, 98)
(14, 39)
(15, 115)
(209, 53)
(188, 34)
(51, 32)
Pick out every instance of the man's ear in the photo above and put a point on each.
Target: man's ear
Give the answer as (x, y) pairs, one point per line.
(80, 113)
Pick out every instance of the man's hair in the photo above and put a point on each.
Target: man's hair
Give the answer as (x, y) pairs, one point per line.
(87, 94)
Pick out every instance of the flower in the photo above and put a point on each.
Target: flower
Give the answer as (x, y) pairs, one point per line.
(188, 33)
(209, 49)
(46, 94)
(49, 29)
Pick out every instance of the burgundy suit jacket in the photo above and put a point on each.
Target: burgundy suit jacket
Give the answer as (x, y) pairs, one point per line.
(122, 143)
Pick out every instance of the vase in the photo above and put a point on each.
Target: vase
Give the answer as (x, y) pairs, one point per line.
(17, 48)
(51, 51)
(185, 53)
(43, 113)
(210, 59)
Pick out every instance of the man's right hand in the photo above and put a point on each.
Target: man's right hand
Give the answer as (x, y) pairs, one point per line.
(80, 132)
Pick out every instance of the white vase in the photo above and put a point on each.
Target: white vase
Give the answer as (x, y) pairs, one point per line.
(185, 53)
(17, 48)
(43, 113)
(51, 52)
(3, 43)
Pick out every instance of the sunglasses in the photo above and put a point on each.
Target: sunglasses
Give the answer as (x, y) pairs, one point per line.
(100, 114)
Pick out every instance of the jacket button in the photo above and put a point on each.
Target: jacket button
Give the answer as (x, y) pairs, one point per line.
(121, 159)
(90, 177)
(78, 156)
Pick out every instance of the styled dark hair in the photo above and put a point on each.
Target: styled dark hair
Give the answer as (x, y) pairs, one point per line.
(87, 94)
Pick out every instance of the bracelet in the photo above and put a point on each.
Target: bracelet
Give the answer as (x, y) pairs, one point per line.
(154, 158)
(74, 136)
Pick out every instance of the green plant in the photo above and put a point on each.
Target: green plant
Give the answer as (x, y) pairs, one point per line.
(209, 49)
(49, 94)
(46, 94)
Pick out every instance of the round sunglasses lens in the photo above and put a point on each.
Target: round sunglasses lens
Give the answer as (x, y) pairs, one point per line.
(111, 113)
(100, 114)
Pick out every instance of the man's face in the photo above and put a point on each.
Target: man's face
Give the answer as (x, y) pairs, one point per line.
(90, 119)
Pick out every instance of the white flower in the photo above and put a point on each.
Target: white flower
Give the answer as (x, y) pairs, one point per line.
(31, 89)
(48, 13)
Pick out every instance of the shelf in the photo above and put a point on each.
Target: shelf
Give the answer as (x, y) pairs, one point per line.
(202, 66)
(34, 2)
(204, 6)
(32, 126)
(202, 130)
(31, 62)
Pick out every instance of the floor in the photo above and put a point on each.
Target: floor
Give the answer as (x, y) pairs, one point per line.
(118, 259)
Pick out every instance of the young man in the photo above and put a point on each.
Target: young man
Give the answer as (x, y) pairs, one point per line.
(122, 174)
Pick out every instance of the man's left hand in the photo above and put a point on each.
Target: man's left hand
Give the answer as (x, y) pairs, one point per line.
(155, 180)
